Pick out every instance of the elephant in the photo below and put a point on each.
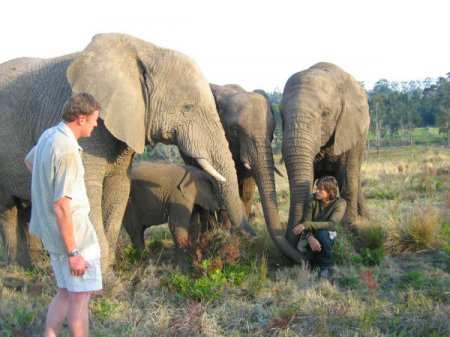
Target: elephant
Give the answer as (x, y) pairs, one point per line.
(148, 94)
(326, 120)
(249, 125)
(162, 192)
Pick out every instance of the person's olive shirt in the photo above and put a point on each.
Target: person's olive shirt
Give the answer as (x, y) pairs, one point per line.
(319, 217)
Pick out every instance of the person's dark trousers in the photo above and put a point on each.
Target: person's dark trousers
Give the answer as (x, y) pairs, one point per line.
(324, 258)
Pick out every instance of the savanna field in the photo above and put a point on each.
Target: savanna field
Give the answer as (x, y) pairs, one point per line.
(392, 279)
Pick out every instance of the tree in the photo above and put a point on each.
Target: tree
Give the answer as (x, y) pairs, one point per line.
(442, 101)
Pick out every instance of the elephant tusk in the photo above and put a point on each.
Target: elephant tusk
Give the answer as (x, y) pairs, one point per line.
(211, 170)
(247, 166)
(278, 172)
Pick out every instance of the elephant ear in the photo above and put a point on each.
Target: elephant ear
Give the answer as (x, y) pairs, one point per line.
(110, 70)
(207, 192)
(187, 186)
(353, 123)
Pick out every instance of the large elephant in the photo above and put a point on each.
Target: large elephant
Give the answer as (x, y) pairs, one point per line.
(162, 192)
(325, 124)
(148, 94)
(249, 125)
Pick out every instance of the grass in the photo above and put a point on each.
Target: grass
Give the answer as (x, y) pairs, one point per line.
(392, 277)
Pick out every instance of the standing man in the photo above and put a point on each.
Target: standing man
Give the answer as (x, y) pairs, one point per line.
(323, 212)
(60, 215)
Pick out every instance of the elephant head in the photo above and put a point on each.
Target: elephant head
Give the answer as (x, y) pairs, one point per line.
(249, 125)
(322, 107)
(150, 94)
(200, 188)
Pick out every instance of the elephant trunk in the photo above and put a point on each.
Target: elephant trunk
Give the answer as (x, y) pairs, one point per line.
(298, 153)
(215, 158)
(263, 169)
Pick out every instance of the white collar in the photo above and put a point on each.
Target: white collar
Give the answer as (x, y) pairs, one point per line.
(69, 133)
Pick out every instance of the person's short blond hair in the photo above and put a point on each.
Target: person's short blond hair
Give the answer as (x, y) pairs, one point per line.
(78, 105)
(329, 184)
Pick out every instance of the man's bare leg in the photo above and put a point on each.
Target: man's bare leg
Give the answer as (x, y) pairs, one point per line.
(56, 314)
(78, 313)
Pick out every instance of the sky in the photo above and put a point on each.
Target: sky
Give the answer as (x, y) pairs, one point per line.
(256, 44)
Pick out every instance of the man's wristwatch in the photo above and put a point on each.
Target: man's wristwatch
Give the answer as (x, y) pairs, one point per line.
(74, 252)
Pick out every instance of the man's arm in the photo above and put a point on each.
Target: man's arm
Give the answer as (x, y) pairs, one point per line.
(64, 186)
(63, 215)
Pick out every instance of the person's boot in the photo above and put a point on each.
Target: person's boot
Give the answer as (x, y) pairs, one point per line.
(327, 273)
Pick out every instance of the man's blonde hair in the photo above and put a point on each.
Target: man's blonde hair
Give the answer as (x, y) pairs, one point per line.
(79, 104)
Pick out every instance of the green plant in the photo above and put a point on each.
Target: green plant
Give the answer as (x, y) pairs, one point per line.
(211, 284)
(343, 248)
(205, 288)
(16, 321)
(104, 308)
(414, 279)
(372, 256)
(349, 281)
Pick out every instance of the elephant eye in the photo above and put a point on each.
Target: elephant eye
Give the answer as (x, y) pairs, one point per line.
(188, 107)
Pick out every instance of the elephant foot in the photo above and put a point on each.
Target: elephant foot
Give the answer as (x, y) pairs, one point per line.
(184, 261)
(247, 230)
(350, 225)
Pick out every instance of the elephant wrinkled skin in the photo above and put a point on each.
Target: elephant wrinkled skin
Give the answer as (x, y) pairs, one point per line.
(249, 125)
(162, 192)
(148, 94)
(325, 124)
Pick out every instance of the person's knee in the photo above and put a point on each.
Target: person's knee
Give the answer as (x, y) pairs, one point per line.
(323, 236)
(63, 293)
(79, 297)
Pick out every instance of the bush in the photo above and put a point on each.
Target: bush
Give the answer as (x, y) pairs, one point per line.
(370, 244)
(372, 257)
(210, 286)
(343, 250)
(414, 279)
(417, 230)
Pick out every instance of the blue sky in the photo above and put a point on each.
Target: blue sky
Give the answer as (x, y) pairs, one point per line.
(257, 44)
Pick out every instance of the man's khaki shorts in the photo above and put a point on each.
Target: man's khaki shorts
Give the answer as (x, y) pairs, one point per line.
(90, 281)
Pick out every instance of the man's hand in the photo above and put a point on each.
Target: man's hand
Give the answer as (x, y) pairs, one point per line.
(297, 230)
(77, 265)
(314, 244)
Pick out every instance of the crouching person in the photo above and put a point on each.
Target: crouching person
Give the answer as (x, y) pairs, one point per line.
(317, 231)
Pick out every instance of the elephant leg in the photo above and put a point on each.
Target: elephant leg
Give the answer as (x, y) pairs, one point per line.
(35, 248)
(196, 226)
(362, 209)
(179, 223)
(224, 220)
(247, 191)
(134, 228)
(13, 234)
(116, 191)
(353, 169)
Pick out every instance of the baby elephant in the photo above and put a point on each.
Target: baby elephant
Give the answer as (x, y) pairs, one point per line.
(162, 192)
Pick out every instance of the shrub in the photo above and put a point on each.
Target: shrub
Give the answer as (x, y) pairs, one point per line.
(416, 230)
(414, 279)
(370, 244)
(371, 257)
(104, 308)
